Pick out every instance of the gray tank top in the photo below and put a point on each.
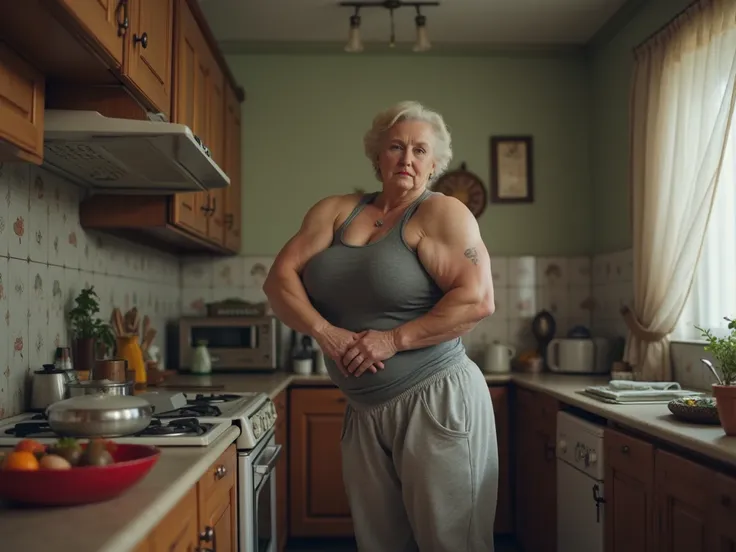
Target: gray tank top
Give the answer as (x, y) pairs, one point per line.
(378, 286)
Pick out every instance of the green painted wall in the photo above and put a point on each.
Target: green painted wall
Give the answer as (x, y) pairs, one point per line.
(610, 74)
(305, 116)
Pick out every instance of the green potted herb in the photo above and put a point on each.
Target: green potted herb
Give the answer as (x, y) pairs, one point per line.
(90, 333)
(723, 350)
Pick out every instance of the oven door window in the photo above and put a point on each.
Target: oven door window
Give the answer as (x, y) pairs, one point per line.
(226, 337)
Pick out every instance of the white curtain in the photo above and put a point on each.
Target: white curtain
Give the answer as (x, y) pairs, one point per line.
(713, 293)
(682, 105)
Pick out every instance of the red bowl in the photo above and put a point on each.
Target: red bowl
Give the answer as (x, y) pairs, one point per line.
(83, 485)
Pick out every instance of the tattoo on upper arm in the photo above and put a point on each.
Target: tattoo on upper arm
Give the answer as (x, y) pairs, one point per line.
(472, 254)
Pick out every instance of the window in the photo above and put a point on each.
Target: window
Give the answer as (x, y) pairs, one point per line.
(713, 293)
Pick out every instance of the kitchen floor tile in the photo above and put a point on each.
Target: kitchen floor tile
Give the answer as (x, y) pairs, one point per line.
(340, 545)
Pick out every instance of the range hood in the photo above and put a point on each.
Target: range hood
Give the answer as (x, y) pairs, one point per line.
(110, 155)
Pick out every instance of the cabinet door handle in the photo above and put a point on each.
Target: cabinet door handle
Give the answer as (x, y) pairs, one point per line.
(122, 25)
(143, 39)
(220, 472)
(625, 449)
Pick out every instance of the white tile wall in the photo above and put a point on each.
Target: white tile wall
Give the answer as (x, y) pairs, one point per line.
(45, 260)
(523, 286)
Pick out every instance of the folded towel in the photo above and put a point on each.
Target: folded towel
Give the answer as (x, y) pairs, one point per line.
(644, 385)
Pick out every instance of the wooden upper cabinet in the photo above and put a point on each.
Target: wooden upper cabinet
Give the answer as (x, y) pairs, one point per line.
(21, 108)
(233, 206)
(105, 21)
(216, 145)
(149, 50)
(191, 76)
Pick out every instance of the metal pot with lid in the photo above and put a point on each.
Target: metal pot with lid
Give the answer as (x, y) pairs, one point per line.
(99, 415)
(49, 385)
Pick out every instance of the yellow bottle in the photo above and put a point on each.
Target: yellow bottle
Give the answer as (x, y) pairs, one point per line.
(130, 350)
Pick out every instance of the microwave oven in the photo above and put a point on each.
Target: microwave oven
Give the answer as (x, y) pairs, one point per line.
(234, 343)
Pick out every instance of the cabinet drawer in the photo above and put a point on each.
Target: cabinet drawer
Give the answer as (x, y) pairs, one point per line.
(220, 476)
(723, 500)
(539, 409)
(628, 454)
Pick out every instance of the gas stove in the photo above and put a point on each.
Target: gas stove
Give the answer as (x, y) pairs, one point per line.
(253, 412)
(204, 418)
(174, 432)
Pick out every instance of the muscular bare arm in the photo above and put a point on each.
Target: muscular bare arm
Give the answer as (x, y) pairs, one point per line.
(285, 290)
(453, 253)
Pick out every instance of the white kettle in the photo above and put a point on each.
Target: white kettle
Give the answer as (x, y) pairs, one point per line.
(498, 358)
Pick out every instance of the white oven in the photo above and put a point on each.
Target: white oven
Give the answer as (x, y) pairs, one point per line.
(257, 496)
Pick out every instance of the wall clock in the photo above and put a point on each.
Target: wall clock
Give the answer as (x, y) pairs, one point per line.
(465, 186)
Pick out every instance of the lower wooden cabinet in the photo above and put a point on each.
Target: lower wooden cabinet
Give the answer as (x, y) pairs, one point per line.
(206, 518)
(657, 500)
(282, 469)
(504, 523)
(535, 418)
(318, 503)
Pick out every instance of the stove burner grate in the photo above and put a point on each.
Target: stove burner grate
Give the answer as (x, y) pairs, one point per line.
(200, 398)
(175, 428)
(192, 410)
(26, 429)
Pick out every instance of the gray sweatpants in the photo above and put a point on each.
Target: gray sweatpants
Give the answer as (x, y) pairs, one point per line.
(421, 470)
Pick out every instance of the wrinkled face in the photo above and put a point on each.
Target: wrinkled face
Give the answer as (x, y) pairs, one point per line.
(406, 158)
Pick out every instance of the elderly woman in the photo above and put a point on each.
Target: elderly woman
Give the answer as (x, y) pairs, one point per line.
(387, 282)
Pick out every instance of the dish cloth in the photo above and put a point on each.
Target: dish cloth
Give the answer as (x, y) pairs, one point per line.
(644, 385)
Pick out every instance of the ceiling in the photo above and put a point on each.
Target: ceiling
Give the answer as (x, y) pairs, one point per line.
(243, 24)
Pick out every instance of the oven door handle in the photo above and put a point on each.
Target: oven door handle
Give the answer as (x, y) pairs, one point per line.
(266, 467)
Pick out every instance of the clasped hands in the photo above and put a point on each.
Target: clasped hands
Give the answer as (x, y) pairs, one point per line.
(357, 352)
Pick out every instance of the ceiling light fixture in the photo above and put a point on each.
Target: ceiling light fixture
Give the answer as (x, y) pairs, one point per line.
(355, 43)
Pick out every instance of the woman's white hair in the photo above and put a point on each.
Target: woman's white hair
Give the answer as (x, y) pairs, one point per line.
(409, 111)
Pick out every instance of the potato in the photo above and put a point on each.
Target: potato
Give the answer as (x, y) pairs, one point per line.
(54, 462)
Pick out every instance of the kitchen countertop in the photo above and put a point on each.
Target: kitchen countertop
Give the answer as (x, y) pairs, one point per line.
(654, 420)
(117, 525)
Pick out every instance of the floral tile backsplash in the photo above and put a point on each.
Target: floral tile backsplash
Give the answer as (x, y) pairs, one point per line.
(523, 287)
(45, 260)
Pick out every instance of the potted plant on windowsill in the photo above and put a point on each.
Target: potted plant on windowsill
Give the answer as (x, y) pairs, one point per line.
(90, 332)
(723, 350)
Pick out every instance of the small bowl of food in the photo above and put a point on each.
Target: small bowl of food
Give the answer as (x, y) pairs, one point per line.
(70, 472)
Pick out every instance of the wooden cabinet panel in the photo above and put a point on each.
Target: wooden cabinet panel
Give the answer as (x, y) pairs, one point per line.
(233, 201)
(149, 53)
(178, 531)
(21, 108)
(216, 144)
(504, 508)
(191, 76)
(629, 484)
(722, 513)
(218, 504)
(681, 490)
(102, 19)
(536, 471)
(319, 505)
(282, 471)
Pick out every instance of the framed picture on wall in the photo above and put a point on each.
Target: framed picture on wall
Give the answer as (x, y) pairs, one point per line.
(511, 169)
